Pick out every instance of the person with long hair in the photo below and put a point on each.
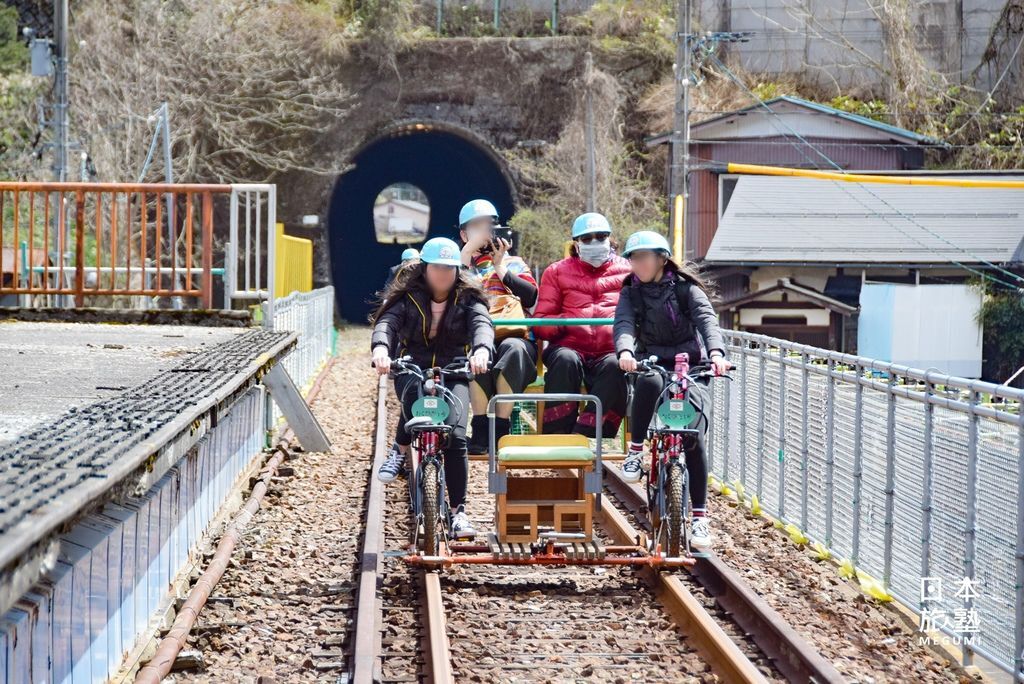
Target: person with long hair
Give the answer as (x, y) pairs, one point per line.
(435, 313)
(584, 285)
(505, 277)
(664, 310)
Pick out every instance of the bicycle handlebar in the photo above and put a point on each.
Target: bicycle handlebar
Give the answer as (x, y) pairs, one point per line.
(700, 370)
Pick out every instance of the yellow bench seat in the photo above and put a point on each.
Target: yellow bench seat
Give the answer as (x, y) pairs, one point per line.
(524, 454)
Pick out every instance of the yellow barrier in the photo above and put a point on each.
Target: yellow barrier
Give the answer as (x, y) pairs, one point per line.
(293, 270)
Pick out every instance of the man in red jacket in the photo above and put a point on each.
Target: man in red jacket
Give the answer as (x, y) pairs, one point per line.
(585, 285)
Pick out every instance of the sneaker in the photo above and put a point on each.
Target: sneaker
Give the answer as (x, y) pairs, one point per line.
(700, 533)
(633, 467)
(393, 466)
(461, 527)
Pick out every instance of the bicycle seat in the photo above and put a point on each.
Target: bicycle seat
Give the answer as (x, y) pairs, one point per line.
(418, 422)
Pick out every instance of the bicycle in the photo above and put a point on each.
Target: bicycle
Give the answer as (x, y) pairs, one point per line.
(430, 436)
(667, 480)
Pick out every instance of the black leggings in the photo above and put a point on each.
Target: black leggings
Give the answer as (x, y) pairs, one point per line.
(646, 392)
(566, 371)
(456, 462)
(516, 359)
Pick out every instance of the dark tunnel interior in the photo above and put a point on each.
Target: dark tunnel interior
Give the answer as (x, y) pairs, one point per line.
(450, 169)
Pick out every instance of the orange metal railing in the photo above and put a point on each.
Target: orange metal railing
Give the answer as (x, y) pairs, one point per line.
(107, 239)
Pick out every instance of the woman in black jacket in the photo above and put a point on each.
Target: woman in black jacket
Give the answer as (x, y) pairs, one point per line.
(434, 313)
(664, 310)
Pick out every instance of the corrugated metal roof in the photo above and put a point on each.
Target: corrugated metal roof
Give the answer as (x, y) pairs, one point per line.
(698, 132)
(806, 220)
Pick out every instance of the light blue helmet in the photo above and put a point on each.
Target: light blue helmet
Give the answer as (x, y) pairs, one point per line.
(410, 254)
(646, 239)
(441, 251)
(475, 209)
(590, 222)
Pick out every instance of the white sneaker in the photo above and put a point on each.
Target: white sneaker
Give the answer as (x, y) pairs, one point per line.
(633, 467)
(392, 467)
(700, 533)
(461, 527)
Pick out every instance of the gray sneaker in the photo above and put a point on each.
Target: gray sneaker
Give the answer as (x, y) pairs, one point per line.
(633, 467)
(700, 533)
(392, 467)
(461, 527)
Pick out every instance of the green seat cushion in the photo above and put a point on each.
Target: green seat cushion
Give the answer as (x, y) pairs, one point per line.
(522, 454)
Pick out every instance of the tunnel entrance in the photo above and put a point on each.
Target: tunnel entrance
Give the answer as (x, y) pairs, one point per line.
(448, 165)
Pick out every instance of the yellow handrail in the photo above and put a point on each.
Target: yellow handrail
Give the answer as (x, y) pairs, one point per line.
(760, 170)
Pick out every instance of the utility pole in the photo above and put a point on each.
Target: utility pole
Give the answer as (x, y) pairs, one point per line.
(588, 132)
(60, 158)
(678, 176)
(60, 40)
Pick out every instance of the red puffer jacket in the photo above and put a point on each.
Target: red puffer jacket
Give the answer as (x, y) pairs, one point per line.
(572, 288)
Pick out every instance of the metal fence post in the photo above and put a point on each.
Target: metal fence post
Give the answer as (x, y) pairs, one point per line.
(726, 431)
(805, 442)
(743, 411)
(760, 420)
(926, 494)
(890, 479)
(830, 438)
(782, 433)
(970, 528)
(858, 459)
(1018, 634)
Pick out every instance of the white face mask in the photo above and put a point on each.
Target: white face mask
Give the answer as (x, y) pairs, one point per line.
(596, 253)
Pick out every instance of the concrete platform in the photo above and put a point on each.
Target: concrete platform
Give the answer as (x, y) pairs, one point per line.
(48, 368)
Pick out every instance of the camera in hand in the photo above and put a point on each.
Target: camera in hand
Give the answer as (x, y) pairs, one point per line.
(504, 233)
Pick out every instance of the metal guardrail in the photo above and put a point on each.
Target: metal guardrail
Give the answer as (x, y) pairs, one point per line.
(71, 241)
(251, 251)
(910, 474)
(107, 239)
(311, 314)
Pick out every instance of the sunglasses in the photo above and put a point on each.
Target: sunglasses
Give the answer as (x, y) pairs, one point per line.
(600, 237)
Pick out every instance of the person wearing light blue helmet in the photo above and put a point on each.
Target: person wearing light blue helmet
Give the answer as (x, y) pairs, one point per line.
(435, 312)
(664, 311)
(409, 255)
(486, 253)
(584, 285)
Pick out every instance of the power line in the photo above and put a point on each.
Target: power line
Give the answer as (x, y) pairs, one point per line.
(824, 156)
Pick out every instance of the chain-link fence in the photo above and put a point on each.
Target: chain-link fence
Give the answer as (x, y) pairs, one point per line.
(914, 476)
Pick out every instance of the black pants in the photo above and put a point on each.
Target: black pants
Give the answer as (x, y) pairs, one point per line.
(566, 371)
(516, 359)
(646, 392)
(456, 462)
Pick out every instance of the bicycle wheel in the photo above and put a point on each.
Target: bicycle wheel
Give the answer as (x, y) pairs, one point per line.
(431, 508)
(676, 490)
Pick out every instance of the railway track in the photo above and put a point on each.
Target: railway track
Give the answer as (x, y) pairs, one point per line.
(480, 623)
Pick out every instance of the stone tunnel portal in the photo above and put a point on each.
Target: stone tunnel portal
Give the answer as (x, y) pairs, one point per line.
(450, 166)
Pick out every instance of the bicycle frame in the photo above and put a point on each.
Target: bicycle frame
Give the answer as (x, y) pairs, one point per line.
(428, 445)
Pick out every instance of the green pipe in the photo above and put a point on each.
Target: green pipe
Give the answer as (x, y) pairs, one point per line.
(545, 322)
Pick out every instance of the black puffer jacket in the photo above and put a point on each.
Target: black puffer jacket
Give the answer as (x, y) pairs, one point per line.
(404, 326)
(666, 318)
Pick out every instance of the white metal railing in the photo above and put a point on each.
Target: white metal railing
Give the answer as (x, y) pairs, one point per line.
(911, 475)
(249, 254)
(311, 314)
